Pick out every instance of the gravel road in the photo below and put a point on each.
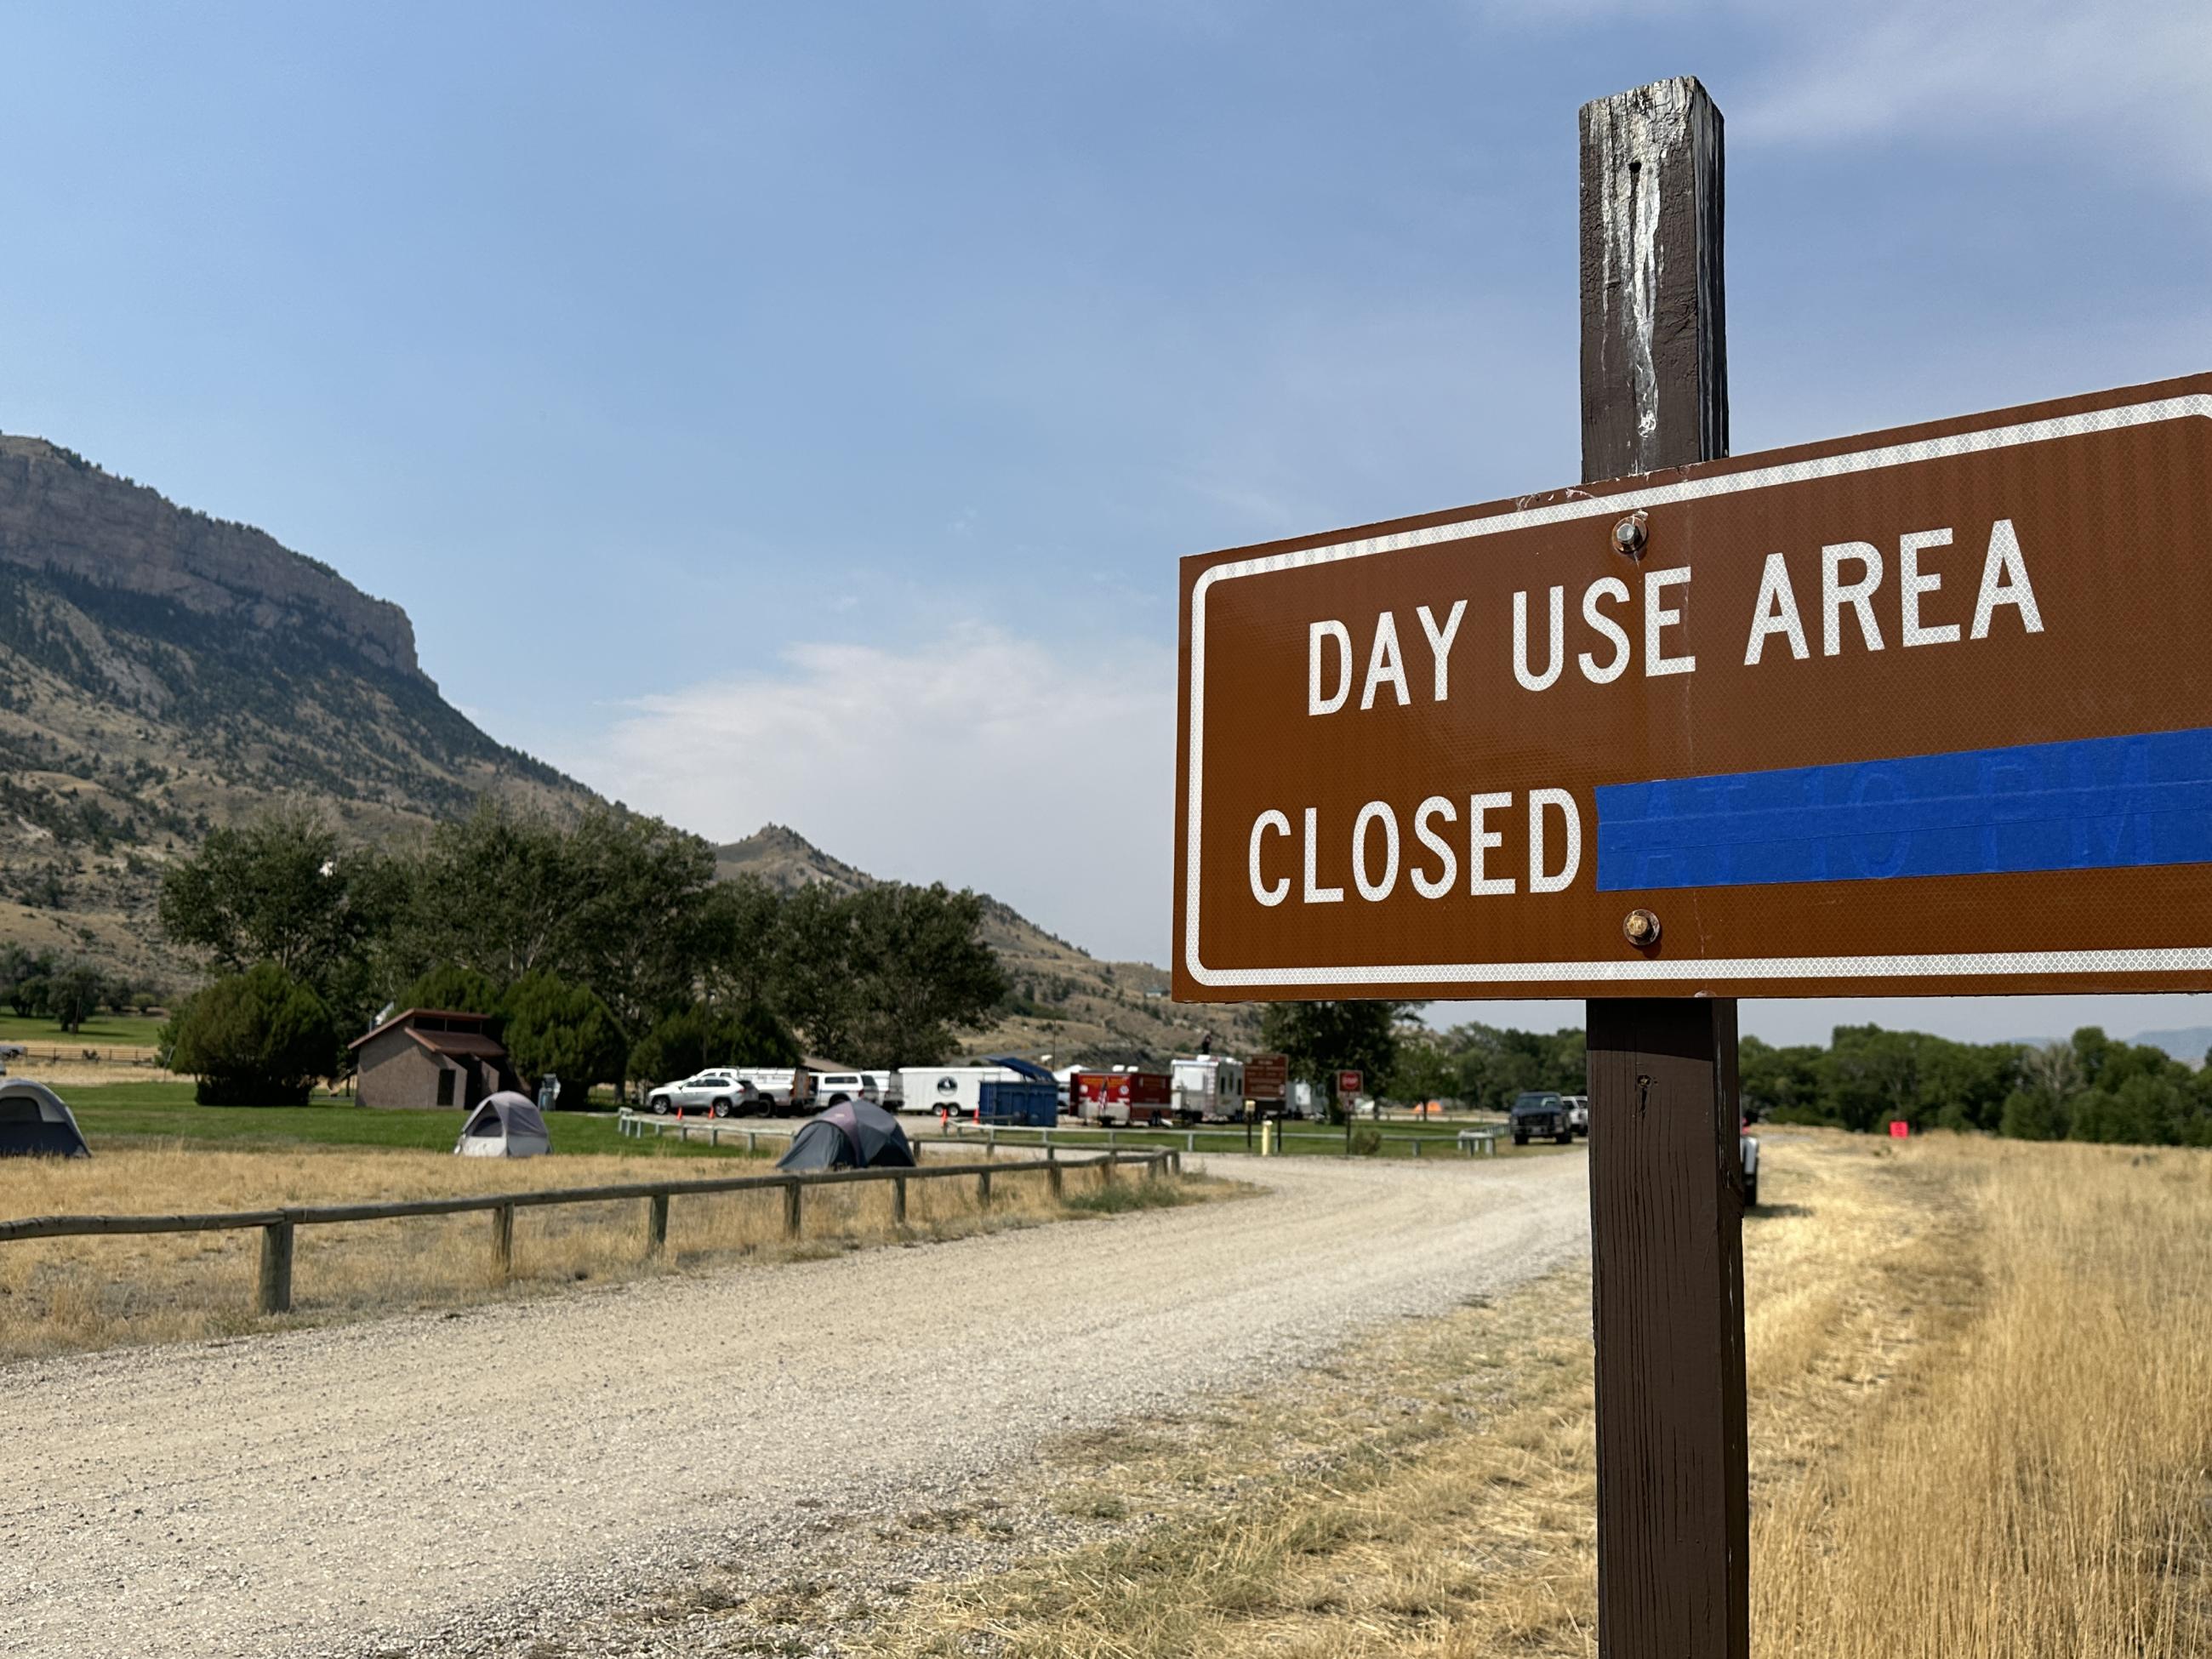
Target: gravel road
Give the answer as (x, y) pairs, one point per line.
(346, 1491)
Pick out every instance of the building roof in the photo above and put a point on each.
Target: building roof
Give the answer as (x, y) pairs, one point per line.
(472, 1045)
(407, 1015)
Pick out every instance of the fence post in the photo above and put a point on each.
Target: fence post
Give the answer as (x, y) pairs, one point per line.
(752, 1141)
(713, 1135)
(502, 1240)
(656, 1225)
(1053, 1178)
(982, 1190)
(898, 1200)
(1174, 1162)
(276, 1296)
(1417, 1145)
(1152, 1164)
(791, 1210)
(1106, 1168)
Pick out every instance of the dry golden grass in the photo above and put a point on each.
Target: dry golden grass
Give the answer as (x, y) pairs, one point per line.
(65, 1069)
(1980, 1426)
(66, 1294)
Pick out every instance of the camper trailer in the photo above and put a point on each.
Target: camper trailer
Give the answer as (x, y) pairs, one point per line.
(1121, 1097)
(1208, 1088)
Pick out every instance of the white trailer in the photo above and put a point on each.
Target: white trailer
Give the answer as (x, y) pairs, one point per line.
(1208, 1087)
(960, 1088)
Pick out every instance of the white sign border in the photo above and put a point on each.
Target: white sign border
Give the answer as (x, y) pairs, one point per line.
(2189, 959)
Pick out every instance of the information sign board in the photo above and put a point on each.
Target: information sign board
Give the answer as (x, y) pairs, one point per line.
(1268, 1077)
(1927, 711)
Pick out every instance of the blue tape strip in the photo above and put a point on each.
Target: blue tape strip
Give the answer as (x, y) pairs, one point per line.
(2097, 804)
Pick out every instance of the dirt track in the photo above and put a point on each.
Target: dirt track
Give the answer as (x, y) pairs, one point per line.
(332, 1492)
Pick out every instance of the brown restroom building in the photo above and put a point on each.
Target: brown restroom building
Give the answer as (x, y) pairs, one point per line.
(431, 1057)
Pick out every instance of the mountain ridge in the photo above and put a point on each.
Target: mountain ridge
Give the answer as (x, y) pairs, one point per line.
(163, 672)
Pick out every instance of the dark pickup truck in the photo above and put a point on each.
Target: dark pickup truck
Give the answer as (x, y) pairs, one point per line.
(1541, 1114)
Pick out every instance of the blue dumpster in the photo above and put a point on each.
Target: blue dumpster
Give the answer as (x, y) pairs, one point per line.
(1035, 1104)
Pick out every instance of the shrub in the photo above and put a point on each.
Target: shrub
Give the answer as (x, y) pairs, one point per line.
(257, 1038)
(1366, 1142)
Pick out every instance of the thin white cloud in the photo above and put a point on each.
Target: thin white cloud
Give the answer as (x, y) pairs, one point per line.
(2129, 80)
(1040, 771)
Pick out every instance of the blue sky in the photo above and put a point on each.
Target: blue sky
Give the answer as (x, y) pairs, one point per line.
(818, 398)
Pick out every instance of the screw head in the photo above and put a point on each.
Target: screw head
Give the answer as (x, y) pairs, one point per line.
(1641, 929)
(1629, 535)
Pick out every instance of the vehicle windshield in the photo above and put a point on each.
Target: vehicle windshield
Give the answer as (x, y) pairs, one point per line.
(1534, 1102)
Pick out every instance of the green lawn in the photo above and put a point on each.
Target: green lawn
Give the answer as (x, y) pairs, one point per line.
(139, 1030)
(138, 1111)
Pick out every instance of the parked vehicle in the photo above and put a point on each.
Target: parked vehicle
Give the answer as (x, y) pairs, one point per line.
(1747, 1145)
(836, 1088)
(768, 1086)
(1577, 1114)
(889, 1094)
(957, 1087)
(1540, 1112)
(1122, 1097)
(720, 1089)
(1207, 1088)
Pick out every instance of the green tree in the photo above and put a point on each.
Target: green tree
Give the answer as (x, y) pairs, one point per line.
(1425, 1070)
(1321, 1039)
(1781, 1082)
(2031, 1115)
(28, 996)
(282, 889)
(564, 1030)
(616, 903)
(693, 1038)
(458, 989)
(257, 1038)
(1493, 1063)
(73, 995)
(919, 969)
(744, 925)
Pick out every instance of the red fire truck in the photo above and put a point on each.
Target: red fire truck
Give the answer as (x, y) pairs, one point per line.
(1120, 1097)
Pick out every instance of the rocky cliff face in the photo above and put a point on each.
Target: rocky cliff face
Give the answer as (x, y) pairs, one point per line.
(163, 672)
(60, 515)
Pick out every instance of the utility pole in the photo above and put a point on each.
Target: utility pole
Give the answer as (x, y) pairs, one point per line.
(1666, 1185)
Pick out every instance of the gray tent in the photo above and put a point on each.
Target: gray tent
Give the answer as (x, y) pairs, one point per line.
(852, 1134)
(33, 1121)
(504, 1125)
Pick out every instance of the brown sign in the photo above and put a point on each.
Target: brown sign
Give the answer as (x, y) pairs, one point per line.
(1927, 711)
(1268, 1077)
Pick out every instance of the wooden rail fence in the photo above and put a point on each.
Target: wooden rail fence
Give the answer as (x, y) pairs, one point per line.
(1468, 1142)
(278, 1227)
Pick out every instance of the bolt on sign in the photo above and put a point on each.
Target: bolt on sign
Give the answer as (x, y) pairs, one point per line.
(1926, 712)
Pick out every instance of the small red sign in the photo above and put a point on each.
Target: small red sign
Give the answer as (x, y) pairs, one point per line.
(1348, 1085)
(1899, 1129)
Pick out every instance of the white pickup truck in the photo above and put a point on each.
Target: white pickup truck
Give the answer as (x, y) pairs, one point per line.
(1748, 1144)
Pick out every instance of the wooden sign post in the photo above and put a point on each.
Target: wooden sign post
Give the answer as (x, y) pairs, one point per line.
(1666, 1182)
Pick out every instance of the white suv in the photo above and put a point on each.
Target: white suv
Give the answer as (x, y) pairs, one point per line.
(719, 1090)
